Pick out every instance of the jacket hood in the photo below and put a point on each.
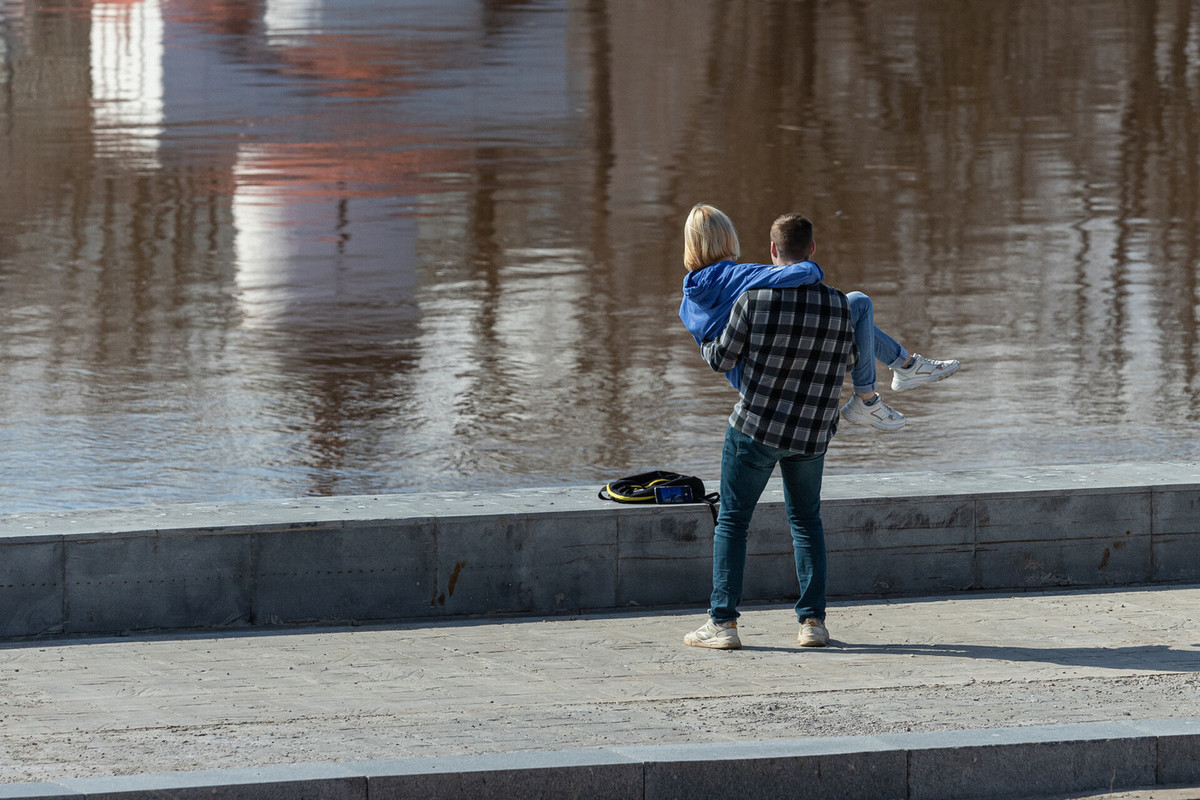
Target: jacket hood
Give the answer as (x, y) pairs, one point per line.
(705, 287)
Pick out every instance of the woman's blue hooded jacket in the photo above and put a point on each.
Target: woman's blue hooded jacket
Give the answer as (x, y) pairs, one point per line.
(709, 295)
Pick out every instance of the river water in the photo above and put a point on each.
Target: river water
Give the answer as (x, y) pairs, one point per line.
(279, 248)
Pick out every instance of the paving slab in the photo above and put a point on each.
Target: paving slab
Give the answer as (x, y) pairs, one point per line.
(93, 707)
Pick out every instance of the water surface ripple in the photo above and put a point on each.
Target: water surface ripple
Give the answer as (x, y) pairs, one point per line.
(286, 247)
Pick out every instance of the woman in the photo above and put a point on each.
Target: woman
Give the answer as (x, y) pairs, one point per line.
(715, 280)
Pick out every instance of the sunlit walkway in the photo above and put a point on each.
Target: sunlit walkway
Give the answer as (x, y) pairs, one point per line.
(72, 708)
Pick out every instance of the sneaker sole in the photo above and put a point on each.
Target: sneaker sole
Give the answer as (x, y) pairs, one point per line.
(812, 643)
(874, 423)
(712, 644)
(912, 383)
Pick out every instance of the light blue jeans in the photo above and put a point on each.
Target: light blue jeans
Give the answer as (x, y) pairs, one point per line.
(873, 344)
(746, 466)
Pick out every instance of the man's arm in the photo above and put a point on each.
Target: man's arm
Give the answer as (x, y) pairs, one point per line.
(726, 282)
(725, 352)
(786, 276)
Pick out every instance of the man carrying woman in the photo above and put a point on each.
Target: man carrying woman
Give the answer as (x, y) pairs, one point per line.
(715, 280)
(785, 341)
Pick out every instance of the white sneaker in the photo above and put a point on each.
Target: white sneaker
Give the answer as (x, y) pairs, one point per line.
(878, 415)
(922, 371)
(717, 635)
(813, 633)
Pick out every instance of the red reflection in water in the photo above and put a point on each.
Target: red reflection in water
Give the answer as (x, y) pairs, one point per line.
(353, 168)
(227, 17)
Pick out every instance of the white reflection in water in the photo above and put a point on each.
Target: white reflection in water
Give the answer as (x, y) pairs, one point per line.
(288, 19)
(313, 255)
(127, 75)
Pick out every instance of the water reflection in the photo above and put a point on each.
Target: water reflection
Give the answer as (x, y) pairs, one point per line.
(126, 47)
(269, 248)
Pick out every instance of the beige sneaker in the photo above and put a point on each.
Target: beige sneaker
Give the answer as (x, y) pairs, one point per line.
(717, 635)
(813, 633)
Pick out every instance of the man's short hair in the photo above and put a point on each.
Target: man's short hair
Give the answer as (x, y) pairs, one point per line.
(708, 237)
(792, 235)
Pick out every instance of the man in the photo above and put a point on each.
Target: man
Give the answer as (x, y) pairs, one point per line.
(795, 345)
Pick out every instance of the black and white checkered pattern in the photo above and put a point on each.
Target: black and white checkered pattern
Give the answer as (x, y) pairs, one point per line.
(796, 345)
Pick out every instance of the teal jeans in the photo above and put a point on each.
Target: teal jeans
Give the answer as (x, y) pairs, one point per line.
(746, 466)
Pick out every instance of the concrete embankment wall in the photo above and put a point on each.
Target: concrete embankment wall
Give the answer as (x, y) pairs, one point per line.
(562, 550)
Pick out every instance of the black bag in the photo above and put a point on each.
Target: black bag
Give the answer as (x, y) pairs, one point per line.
(660, 487)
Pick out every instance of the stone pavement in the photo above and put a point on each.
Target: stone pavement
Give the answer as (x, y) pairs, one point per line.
(94, 707)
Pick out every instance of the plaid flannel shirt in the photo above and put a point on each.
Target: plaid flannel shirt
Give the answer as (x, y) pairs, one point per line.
(795, 346)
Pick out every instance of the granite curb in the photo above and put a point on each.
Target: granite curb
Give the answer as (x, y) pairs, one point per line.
(991, 763)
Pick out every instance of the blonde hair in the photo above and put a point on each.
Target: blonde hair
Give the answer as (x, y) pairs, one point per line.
(708, 237)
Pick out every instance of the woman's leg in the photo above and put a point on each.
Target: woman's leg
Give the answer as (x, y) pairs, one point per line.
(866, 407)
(862, 314)
(873, 344)
(888, 351)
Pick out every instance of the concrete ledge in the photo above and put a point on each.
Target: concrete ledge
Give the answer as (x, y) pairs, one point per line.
(562, 550)
(997, 763)
(326, 782)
